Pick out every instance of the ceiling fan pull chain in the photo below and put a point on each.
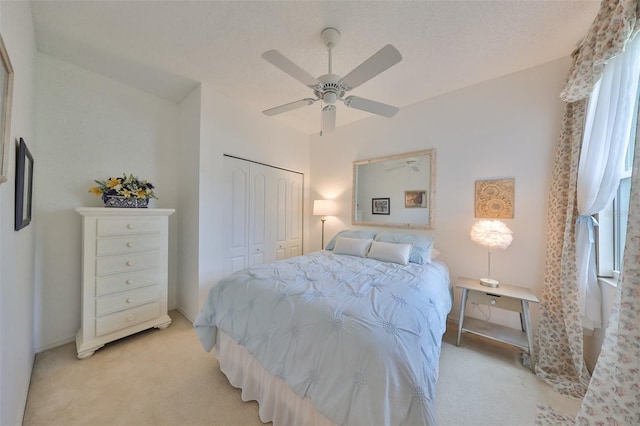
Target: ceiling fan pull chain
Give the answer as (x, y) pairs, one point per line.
(321, 114)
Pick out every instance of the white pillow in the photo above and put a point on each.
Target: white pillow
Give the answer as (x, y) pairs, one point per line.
(434, 253)
(390, 252)
(352, 246)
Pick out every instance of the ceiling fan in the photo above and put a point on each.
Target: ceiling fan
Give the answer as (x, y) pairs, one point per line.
(411, 163)
(329, 88)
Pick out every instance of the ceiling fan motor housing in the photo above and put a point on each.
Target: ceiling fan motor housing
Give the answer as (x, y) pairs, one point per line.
(330, 89)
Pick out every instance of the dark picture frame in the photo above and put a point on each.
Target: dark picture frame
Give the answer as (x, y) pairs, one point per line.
(380, 206)
(24, 185)
(6, 96)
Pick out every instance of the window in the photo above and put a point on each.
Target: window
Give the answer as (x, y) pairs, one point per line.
(613, 221)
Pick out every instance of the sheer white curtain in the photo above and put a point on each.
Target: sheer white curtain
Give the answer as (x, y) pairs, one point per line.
(608, 127)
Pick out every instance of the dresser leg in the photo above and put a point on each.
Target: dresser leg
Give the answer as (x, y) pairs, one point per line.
(164, 325)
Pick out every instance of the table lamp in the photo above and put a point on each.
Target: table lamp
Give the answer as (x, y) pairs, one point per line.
(323, 208)
(491, 233)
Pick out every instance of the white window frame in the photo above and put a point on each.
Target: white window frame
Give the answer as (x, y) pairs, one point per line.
(608, 234)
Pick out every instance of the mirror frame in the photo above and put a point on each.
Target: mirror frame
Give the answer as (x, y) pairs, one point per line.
(431, 190)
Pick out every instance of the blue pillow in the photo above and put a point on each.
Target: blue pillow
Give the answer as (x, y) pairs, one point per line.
(422, 246)
(347, 233)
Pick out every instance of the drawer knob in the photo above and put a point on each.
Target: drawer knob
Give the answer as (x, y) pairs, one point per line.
(131, 299)
(129, 281)
(130, 263)
(130, 226)
(130, 244)
(131, 318)
(493, 301)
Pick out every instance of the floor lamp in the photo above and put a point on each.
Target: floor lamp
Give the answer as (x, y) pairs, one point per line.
(323, 208)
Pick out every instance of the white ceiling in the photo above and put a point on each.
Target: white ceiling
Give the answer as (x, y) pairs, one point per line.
(165, 47)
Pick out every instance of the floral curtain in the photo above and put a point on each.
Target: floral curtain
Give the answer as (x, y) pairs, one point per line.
(560, 343)
(613, 397)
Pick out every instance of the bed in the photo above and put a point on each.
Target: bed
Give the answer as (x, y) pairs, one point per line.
(350, 335)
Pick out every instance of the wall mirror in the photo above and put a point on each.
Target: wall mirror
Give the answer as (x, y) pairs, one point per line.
(395, 191)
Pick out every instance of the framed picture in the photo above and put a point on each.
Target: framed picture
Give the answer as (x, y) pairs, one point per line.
(415, 199)
(380, 206)
(495, 198)
(6, 94)
(24, 185)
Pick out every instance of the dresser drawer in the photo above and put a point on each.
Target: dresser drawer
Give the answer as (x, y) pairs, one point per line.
(502, 302)
(127, 281)
(128, 226)
(114, 322)
(127, 262)
(126, 299)
(128, 244)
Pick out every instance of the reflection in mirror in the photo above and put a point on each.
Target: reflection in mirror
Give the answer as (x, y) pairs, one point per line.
(404, 183)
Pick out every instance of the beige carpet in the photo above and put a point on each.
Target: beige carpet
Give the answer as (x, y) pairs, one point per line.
(164, 377)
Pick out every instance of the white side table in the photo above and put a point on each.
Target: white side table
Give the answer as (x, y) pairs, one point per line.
(506, 297)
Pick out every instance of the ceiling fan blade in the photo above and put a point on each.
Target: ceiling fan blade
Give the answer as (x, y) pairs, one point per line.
(328, 119)
(382, 60)
(394, 167)
(371, 106)
(289, 106)
(282, 62)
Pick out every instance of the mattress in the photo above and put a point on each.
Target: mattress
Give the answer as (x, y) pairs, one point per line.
(358, 338)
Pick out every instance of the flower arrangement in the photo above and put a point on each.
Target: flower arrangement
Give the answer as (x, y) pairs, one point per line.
(126, 186)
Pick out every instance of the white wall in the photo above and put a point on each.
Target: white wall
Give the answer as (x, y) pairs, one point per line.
(229, 127)
(507, 127)
(17, 248)
(90, 127)
(189, 182)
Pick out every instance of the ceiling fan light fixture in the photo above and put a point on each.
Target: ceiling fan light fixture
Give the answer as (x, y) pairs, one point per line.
(330, 98)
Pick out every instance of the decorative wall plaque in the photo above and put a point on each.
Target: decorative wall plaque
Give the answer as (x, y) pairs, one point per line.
(495, 198)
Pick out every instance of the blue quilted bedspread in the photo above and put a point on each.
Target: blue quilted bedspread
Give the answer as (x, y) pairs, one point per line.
(360, 338)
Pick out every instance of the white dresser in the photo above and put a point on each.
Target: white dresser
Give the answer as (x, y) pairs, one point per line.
(124, 274)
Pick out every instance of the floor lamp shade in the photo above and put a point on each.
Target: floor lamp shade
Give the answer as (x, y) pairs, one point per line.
(323, 208)
(491, 233)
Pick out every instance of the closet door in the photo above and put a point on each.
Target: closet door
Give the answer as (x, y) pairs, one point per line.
(294, 237)
(264, 216)
(258, 209)
(287, 222)
(236, 234)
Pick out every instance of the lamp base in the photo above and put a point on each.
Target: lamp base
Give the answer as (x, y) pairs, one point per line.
(489, 282)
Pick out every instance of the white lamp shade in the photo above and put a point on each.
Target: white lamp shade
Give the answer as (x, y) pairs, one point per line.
(491, 233)
(324, 208)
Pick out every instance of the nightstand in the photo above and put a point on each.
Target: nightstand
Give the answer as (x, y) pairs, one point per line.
(506, 297)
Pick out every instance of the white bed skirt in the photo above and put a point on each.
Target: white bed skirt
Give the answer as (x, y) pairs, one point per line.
(277, 403)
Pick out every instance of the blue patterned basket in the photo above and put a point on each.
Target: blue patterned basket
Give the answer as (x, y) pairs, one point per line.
(126, 202)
